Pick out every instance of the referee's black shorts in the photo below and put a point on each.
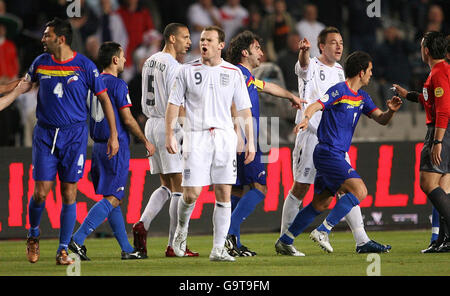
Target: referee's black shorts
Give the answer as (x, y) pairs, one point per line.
(426, 165)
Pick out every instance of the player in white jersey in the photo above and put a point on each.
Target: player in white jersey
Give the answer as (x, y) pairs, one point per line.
(208, 87)
(158, 76)
(316, 75)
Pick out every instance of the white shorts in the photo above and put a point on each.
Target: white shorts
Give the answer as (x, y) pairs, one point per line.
(303, 167)
(162, 162)
(209, 157)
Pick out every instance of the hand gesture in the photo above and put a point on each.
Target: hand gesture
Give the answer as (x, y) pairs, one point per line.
(436, 154)
(250, 152)
(297, 103)
(400, 90)
(394, 104)
(304, 45)
(303, 125)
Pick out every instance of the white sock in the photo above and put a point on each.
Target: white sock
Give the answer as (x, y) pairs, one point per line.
(184, 212)
(154, 205)
(355, 221)
(291, 207)
(173, 214)
(221, 223)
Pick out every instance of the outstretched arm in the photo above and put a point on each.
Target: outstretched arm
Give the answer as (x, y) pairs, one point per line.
(22, 87)
(8, 87)
(383, 118)
(309, 112)
(303, 54)
(278, 91)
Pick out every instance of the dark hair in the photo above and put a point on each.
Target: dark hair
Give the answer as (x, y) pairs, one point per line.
(61, 28)
(322, 37)
(239, 43)
(107, 51)
(436, 44)
(219, 31)
(172, 29)
(356, 62)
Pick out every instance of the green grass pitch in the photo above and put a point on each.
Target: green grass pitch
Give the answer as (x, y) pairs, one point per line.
(404, 259)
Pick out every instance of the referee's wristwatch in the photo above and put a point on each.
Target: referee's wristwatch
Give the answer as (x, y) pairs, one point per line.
(435, 142)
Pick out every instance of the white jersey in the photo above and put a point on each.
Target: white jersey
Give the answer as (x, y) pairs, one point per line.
(158, 76)
(208, 93)
(314, 81)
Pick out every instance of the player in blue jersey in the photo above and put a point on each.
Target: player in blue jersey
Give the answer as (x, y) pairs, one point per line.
(245, 52)
(110, 175)
(60, 136)
(342, 106)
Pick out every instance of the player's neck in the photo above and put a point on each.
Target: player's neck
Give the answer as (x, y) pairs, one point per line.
(324, 60)
(432, 62)
(111, 70)
(212, 61)
(354, 83)
(170, 50)
(63, 53)
(246, 65)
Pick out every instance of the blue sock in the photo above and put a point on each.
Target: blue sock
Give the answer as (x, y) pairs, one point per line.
(434, 224)
(244, 208)
(343, 206)
(234, 202)
(97, 214)
(35, 213)
(117, 224)
(305, 217)
(67, 220)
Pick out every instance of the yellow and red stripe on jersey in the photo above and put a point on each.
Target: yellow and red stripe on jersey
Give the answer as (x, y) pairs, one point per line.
(59, 71)
(354, 101)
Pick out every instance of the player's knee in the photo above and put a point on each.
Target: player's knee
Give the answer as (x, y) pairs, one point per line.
(360, 193)
(320, 205)
(299, 190)
(114, 201)
(39, 196)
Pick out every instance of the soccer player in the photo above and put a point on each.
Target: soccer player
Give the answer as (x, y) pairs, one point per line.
(110, 175)
(245, 52)
(435, 155)
(316, 76)
(158, 76)
(208, 87)
(60, 136)
(342, 106)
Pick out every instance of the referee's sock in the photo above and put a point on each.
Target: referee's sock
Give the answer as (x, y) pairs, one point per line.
(441, 202)
(97, 214)
(343, 206)
(35, 213)
(245, 207)
(305, 217)
(117, 224)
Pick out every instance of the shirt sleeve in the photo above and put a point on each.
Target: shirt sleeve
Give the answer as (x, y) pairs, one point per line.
(260, 84)
(241, 97)
(123, 96)
(178, 90)
(441, 91)
(31, 74)
(94, 81)
(303, 73)
(369, 105)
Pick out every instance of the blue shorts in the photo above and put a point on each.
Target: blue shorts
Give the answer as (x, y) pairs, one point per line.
(110, 176)
(254, 172)
(59, 150)
(332, 169)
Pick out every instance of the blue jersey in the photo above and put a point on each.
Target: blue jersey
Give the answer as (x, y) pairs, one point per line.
(63, 88)
(342, 108)
(253, 86)
(98, 124)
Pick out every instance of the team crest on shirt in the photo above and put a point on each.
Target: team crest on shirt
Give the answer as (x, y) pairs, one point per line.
(438, 92)
(335, 93)
(425, 94)
(325, 98)
(96, 73)
(224, 79)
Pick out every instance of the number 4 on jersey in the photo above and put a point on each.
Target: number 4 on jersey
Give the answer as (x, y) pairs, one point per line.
(58, 90)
